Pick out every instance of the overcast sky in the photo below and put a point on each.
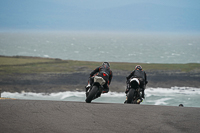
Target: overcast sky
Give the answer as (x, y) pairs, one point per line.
(100, 4)
(113, 15)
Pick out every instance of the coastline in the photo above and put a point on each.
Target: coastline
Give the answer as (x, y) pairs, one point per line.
(47, 75)
(48, 83)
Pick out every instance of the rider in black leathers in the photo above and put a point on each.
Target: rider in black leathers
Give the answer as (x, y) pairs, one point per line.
(103, 71)
(141, 75)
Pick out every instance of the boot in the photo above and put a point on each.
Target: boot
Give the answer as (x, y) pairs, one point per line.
(87, 87)
(125, 100)
(142, 93)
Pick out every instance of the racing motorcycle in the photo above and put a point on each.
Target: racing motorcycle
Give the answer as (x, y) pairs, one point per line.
(134, 95)
(95, 90)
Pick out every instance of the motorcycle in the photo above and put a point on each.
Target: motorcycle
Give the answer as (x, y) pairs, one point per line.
(95, 90)
(134, 95)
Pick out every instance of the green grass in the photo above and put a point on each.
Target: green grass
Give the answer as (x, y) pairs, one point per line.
(162, 67)
(20, 64)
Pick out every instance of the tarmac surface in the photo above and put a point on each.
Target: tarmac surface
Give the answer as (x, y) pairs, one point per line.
(35, 116)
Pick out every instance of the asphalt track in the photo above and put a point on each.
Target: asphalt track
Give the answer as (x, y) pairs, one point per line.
(31, 116)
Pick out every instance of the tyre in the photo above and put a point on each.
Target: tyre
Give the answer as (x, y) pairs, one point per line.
(91, 94)
(130, 96)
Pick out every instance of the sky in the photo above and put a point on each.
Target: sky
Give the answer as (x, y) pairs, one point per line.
(101, 15)
(102, 4)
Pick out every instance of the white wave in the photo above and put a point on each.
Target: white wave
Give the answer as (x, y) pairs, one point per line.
(113, 94)
(173, 91)
(162, 101)
(153, 96)
(46, 55)
(76, 52)
(148, 91)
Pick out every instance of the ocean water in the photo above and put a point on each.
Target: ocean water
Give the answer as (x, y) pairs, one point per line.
(174, 96)
(112, 47)
(104, 46)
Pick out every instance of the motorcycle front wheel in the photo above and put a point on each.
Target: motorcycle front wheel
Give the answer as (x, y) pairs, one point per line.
(130, 96)
(91, 94)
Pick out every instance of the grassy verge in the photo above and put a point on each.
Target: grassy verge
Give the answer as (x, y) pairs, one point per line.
(21, 64)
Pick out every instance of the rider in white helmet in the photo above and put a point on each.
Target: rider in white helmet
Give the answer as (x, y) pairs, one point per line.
(141, 75)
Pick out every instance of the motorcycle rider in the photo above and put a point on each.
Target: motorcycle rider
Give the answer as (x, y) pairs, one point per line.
(103, 71)
(141, 75)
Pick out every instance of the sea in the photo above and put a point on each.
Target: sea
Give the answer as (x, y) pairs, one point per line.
(137, 47)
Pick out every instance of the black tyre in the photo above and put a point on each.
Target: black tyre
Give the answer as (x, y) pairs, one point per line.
(130, 96)
(91, 94)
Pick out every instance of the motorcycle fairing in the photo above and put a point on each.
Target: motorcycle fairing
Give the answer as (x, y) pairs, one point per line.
(100, 80)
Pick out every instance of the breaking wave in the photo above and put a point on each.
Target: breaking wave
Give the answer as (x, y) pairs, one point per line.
(153, 96)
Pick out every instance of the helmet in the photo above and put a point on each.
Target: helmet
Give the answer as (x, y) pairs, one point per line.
(138, 67)
(106, 63)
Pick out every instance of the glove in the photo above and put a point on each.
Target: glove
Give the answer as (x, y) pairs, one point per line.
(126, 91)
(104, 91)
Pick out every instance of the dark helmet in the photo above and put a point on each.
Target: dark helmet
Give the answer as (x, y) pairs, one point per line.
(180, 105)
(138, 67)
(106, 63)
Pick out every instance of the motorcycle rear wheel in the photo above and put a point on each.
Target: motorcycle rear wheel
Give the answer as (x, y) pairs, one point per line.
(130, 96)
(91, 94)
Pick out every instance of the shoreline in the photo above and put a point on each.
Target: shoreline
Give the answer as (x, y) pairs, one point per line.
(49, 83)
(47, 75)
